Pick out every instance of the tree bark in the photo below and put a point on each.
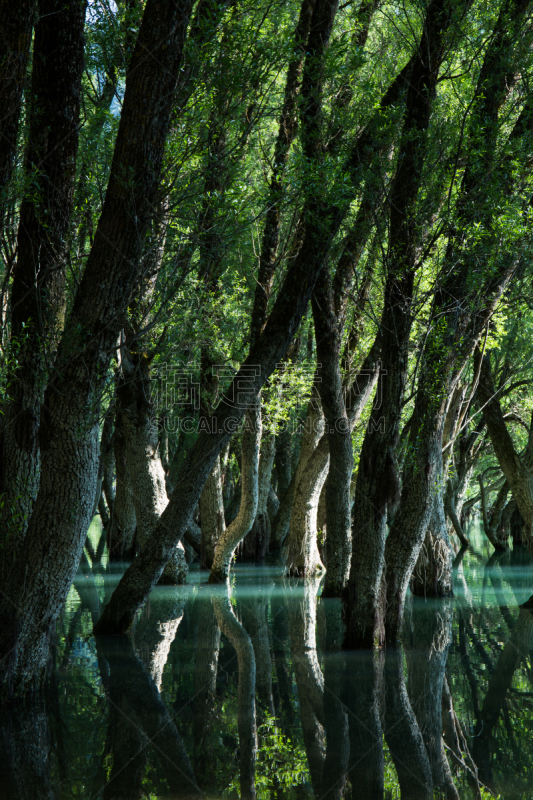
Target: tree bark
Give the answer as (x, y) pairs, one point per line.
(492, 523)
(68, 431)
(300, 554)
(212, 522)
(329, 315)
(255, 543)
(16, 26)
(432, 575)
(145, 470)
(26, 751)
(120, 533)
(37, 293)
(240, 526)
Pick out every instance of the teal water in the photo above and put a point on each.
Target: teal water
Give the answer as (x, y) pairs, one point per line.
(248, 693)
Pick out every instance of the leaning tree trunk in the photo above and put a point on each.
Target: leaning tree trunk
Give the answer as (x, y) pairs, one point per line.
(492, 524)
(377, 482)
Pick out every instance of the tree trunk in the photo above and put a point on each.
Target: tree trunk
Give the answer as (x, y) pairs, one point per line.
(282, 462)
(120, 534)
(492, 523)
(301, 554)
(329, 314)
(26, 751)
(107, 453)
(240, 526)
(37, 293)
(255, 543)
(143, 461)
(377, 481)
(68, 431)
(432, 575)
(212, 522)
(282, 520)
(16, 26)
(106, 463)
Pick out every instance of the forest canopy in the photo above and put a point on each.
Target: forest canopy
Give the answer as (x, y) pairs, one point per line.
(265, 287)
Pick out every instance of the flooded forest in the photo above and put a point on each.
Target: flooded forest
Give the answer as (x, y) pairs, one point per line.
(266, 433)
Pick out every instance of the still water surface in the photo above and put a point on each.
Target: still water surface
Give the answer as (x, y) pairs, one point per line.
(248, 693)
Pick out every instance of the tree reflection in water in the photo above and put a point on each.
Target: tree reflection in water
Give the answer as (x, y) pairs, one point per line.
(226, 694)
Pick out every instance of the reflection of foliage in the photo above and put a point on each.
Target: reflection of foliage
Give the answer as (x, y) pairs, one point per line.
(281, 763)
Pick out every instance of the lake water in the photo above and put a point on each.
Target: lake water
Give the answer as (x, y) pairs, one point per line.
(247, 693)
